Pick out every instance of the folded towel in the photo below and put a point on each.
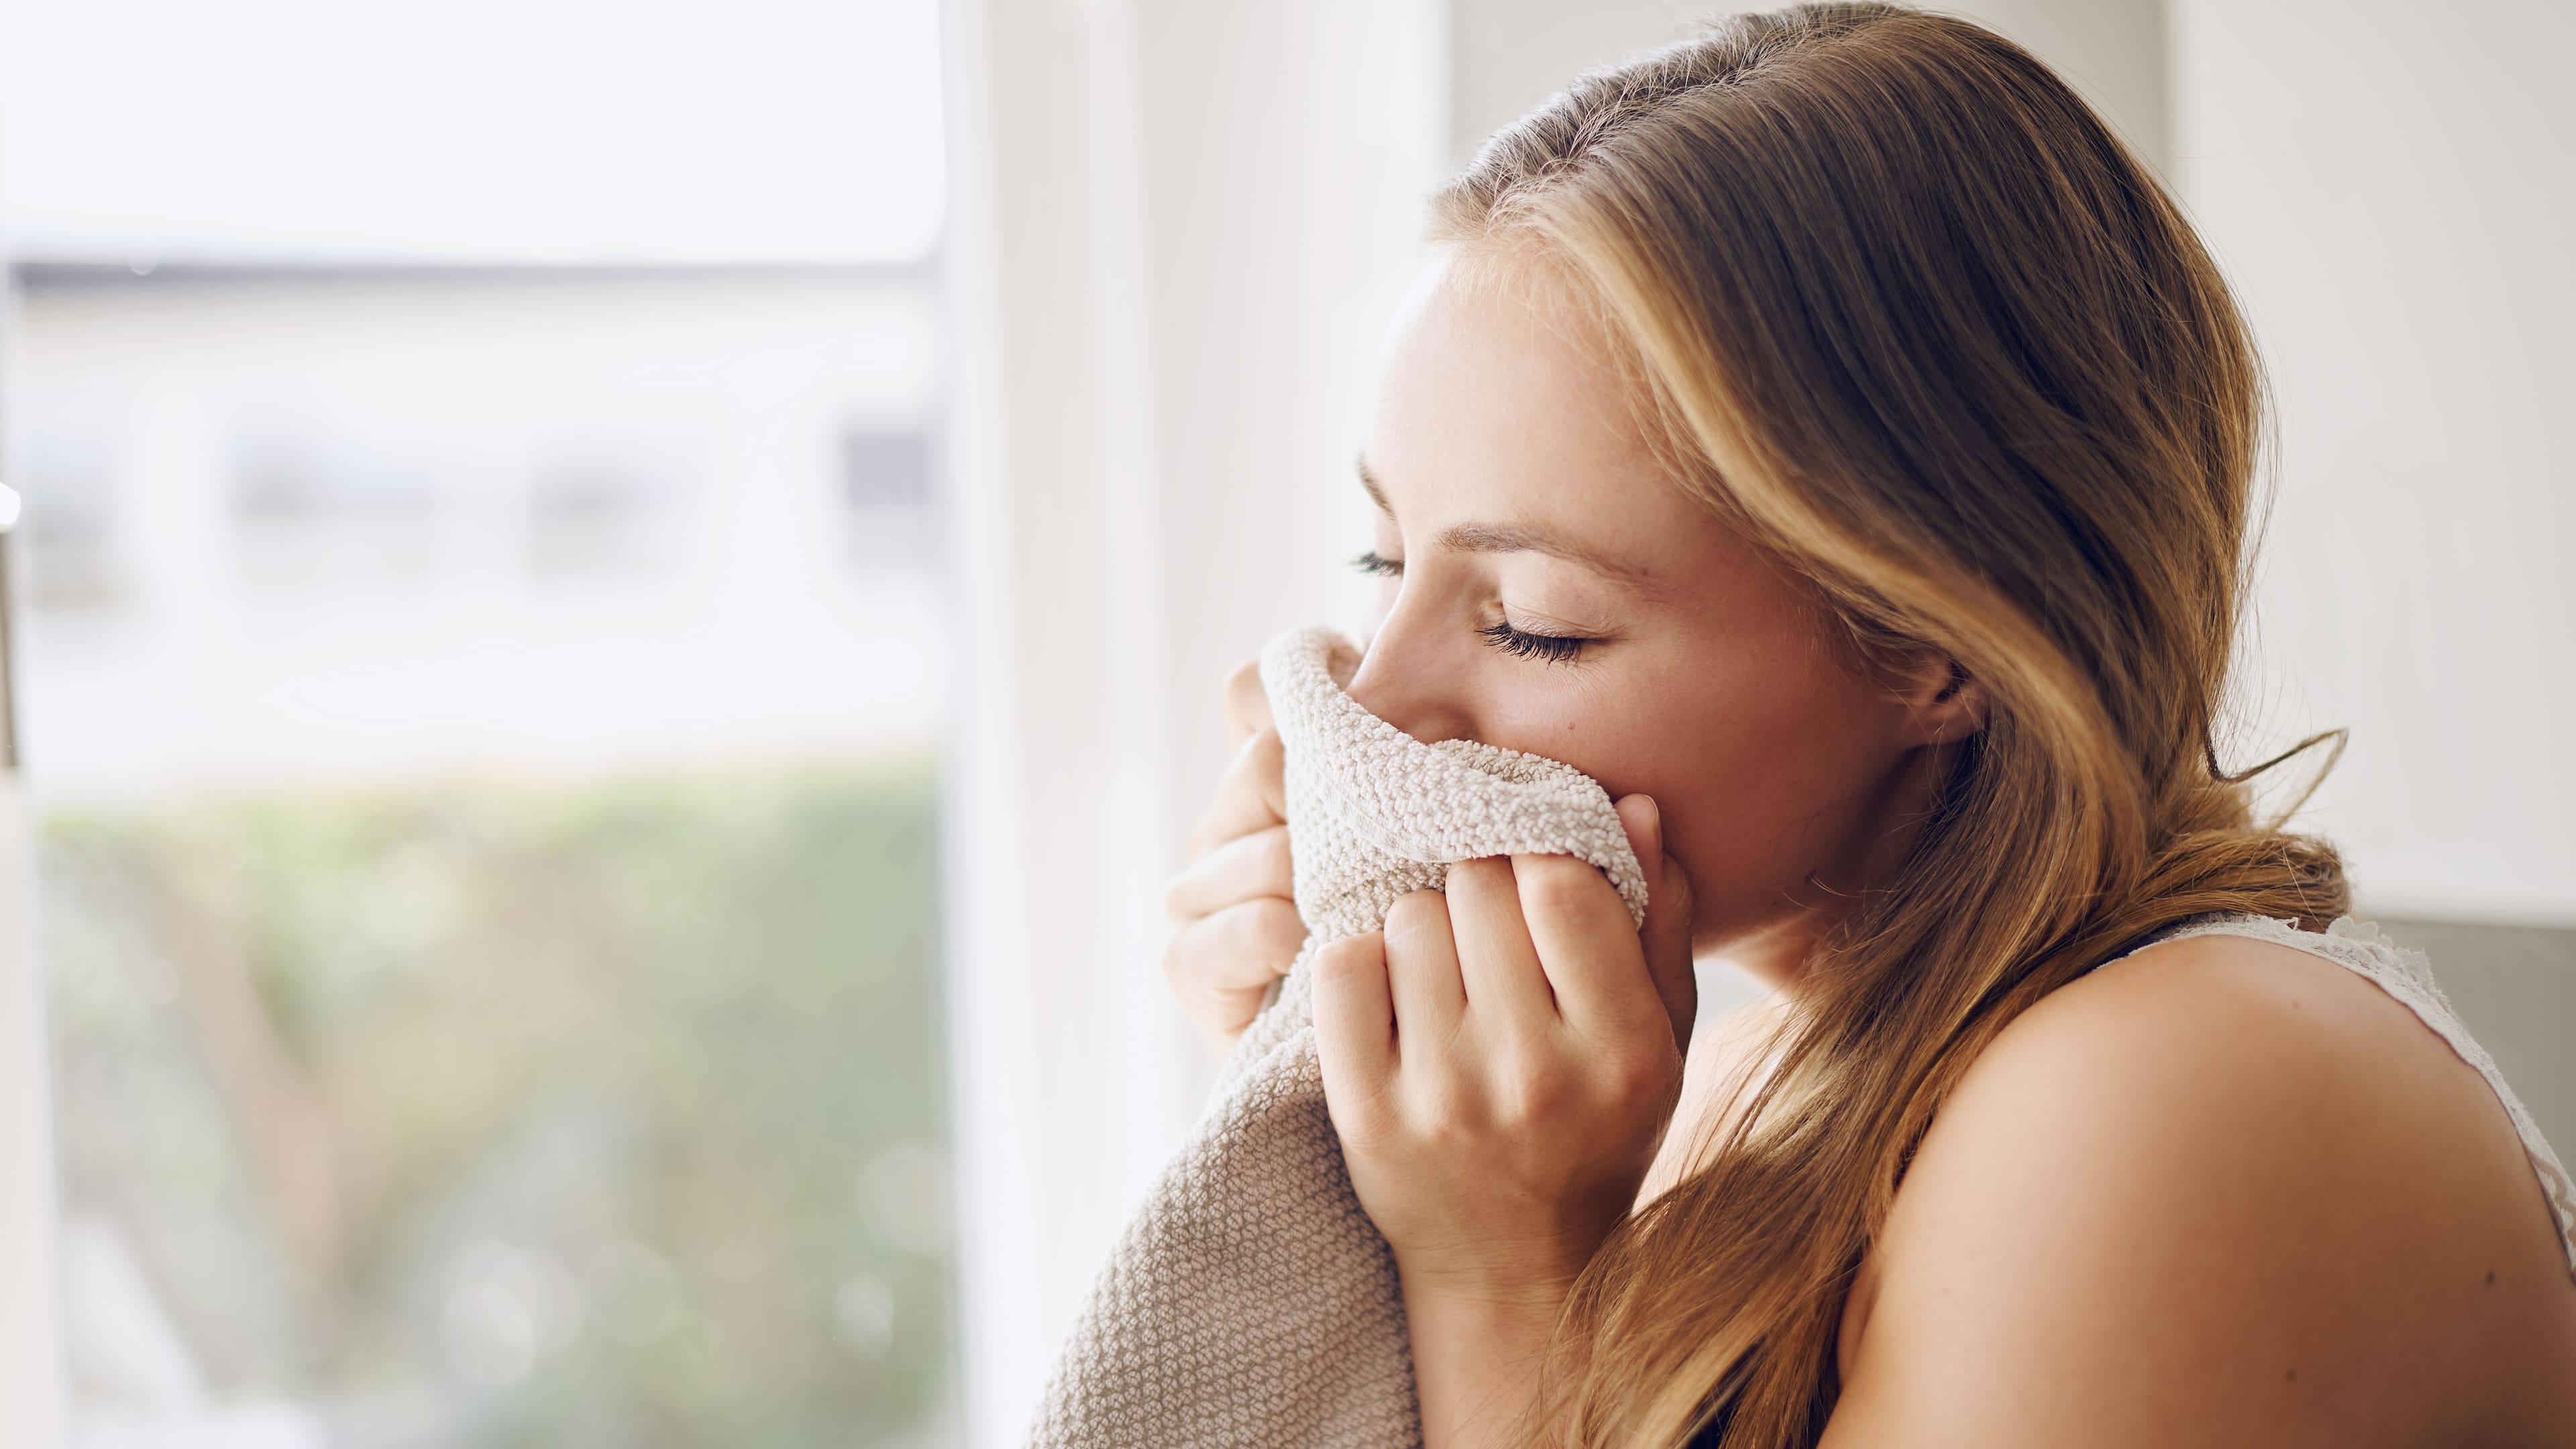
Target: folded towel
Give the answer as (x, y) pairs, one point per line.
(1251, 1302)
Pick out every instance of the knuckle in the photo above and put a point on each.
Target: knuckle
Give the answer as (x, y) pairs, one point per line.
(1488, 880)
(1674, 883)
(1264, 750)
(1251, 778)
(1243, 677)
(1339, 963)
(1639, 1077)
(1274, 929)
(1209, 830)
(1278, 863)
(1265, 767)
(1363, 1118)
(1556, 891)
(1441, 1103)
(1417, 913)
(1246, 703)
(1180, 962)
(1538, 1092)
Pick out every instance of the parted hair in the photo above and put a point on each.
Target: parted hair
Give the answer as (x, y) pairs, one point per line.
(1908, 315)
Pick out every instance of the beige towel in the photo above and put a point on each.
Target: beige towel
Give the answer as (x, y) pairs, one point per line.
(1251, 1302)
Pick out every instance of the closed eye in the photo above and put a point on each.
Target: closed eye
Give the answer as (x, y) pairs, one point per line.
(1555, 648)
(1378, 566)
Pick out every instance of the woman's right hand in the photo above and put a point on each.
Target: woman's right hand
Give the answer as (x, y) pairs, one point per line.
(1235, 927)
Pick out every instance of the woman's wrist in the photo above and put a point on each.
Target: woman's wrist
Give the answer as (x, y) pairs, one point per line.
(1477, 1345)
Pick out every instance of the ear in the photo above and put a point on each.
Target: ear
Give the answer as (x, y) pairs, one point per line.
(1943, 701)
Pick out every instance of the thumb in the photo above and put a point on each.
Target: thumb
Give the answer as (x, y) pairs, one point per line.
(1667, 931)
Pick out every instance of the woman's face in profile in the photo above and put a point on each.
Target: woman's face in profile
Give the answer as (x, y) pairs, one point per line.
(1549, 587)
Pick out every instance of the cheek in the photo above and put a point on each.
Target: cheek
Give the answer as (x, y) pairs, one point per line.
(1740, 723)
(1765, 764)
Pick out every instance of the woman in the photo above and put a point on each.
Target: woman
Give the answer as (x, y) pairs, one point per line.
(1828, 436)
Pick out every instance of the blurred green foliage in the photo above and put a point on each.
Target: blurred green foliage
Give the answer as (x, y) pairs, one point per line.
(589, 1115)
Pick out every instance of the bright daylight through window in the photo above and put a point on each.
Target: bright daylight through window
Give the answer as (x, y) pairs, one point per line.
(481, 655)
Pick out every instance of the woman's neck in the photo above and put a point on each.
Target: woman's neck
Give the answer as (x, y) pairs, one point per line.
(1776, 950)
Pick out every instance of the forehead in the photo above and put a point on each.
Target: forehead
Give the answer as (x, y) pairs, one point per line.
(1504, 400)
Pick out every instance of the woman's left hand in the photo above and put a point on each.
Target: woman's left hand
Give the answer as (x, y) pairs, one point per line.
(1501, 1062)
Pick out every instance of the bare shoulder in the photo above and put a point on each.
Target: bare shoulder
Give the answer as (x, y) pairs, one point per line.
(2222, 1191)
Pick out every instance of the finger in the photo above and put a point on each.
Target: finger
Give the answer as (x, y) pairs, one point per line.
(1253, 794)
(1244, 868)
(1666, 936)
(1247, 704)
(1354, 1019)
(1242, 948)
(1586, 943)
(1496, 957)
(1422, 960)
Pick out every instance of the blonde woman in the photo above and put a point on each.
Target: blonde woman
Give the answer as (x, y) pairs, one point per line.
(1826, 434)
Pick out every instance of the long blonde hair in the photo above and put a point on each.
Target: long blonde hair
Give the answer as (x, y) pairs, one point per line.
(1916, 322)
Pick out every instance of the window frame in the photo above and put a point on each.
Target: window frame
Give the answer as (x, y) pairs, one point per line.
(31, 1361)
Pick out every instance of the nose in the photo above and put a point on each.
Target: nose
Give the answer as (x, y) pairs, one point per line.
(1407, 679)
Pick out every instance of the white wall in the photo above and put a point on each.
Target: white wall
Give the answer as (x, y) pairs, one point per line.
(2113, 51)
(1505, 56)
(1508, 55)
(2391, 189)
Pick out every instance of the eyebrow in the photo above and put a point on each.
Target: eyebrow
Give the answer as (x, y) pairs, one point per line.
(1517, 538)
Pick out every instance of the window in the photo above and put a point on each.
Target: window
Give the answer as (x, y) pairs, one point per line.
(314, 511)
(885, 480)
(491, 899)
(68, 469)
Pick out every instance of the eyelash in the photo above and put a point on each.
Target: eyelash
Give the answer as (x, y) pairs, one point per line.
(1554, 648)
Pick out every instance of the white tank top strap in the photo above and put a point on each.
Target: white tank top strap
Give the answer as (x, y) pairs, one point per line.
(2407, 975)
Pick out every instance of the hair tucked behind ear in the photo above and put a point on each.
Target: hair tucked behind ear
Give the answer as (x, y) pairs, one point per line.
(1914, 320)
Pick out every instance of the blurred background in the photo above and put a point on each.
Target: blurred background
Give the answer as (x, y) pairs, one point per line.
(618, 611)
(481, 660)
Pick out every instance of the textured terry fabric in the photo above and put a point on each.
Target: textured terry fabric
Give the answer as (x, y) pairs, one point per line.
(1251, 1302)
